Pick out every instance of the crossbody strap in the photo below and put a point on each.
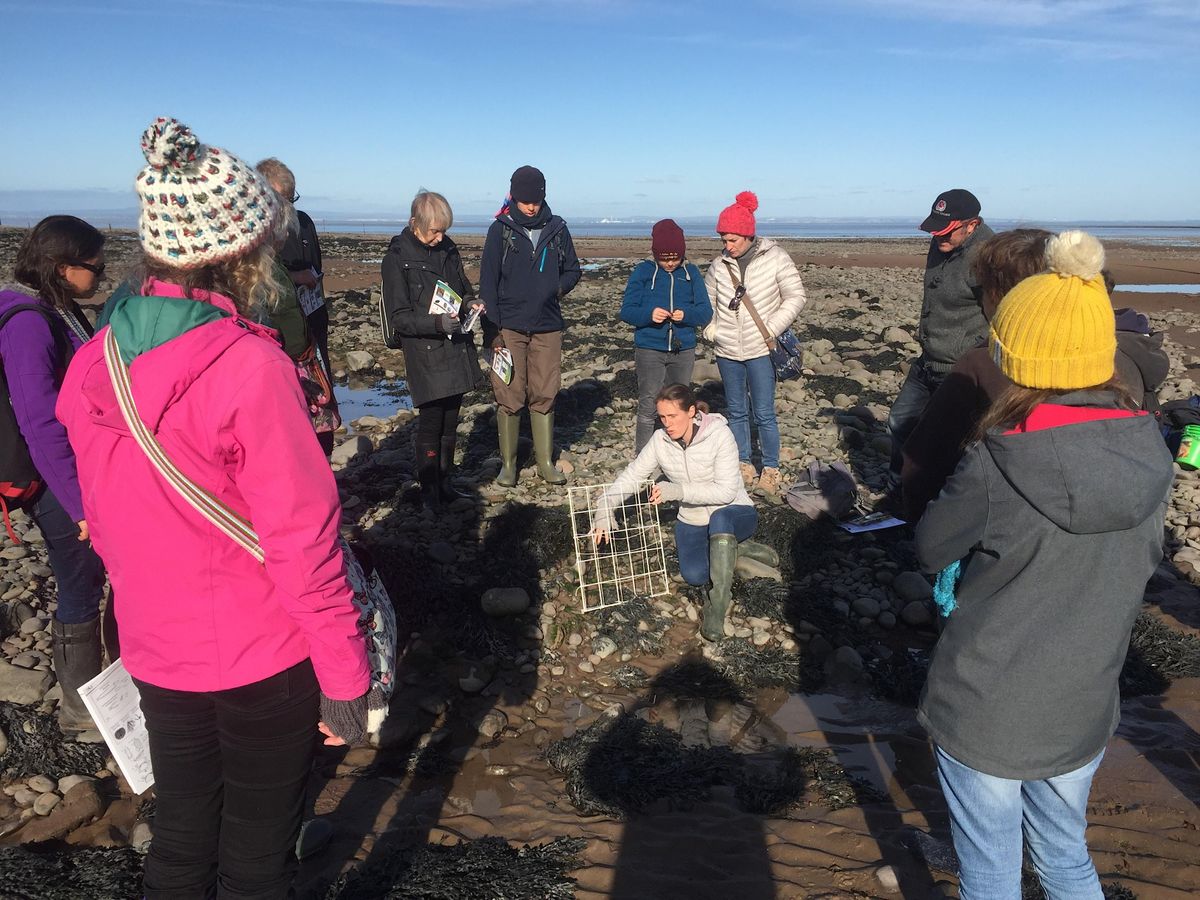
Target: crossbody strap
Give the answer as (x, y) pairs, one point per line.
(737, 281)
(224, 519)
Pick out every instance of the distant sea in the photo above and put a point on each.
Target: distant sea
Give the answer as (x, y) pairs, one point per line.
(1184, 232)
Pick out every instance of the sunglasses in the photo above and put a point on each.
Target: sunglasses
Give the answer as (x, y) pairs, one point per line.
(98, 271)
(736, 300)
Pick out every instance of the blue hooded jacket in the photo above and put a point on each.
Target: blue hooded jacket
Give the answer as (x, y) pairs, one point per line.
(650, 287)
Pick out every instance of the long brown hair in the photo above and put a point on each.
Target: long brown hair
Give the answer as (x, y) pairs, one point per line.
(55, 241)
(682, 395)
(1016, 404)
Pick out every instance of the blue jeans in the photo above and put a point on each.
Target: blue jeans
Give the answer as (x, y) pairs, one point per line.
(77, 568)
(691, 541)
(750, 385)
(919, 386)
(988, 816)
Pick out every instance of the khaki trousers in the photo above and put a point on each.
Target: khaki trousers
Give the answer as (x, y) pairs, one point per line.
(537, 370)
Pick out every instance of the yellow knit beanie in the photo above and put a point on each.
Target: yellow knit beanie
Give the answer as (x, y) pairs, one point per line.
(1056, 330)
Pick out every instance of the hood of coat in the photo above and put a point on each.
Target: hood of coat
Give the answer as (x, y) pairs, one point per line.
(1057, 468)
(167, 342)
(552, 227)
(706, 424)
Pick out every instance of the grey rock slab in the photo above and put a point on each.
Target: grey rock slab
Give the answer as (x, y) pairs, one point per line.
(359, 361)
(21, 686)
(747, 568)
(505, 601)
(912, 586)
(916, 613)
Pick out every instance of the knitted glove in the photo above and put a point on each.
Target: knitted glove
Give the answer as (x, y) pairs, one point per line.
(669, 490)
(446, 324)
(346, 718)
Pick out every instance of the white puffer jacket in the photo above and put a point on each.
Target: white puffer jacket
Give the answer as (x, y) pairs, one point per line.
(707, 470)
(772, 283)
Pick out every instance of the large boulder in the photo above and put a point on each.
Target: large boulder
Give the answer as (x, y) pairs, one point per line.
(360, 361)
(22, 686)
(504, 601)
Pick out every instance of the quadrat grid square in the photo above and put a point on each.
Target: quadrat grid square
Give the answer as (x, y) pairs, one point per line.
(632, 563)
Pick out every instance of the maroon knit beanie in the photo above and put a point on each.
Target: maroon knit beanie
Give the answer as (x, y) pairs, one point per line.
(739, 218)
(666, 238)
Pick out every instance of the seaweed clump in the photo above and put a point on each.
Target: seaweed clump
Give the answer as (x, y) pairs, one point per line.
(114, 874)
(620, 767)
(36, 746)
(634, 626)
(1158, 654)
(753, 667)
(485, 869)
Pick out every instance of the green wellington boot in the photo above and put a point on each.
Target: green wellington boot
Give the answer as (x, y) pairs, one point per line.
(542, 426)
(759, 553)
(722, 555)
(508, 429)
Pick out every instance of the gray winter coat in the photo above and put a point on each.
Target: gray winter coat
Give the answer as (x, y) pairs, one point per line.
(1059, 529)
(952, 320)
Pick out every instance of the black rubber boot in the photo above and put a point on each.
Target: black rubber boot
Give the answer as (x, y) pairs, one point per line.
(449, 492)
(722, 555)
(76, 662)
(429, 473)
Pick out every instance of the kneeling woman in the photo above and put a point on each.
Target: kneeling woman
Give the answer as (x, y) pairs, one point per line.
(697, 453)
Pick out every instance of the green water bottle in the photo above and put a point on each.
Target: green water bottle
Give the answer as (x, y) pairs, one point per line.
(1188, 455)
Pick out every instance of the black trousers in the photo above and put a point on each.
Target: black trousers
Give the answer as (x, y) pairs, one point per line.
(438, 419)
(230, 771)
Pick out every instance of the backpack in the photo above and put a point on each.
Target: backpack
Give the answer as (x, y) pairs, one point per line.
(824, 488)
(510, 244)
(19, 479)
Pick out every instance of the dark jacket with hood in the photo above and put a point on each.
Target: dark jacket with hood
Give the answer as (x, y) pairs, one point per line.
(521, 286)
(952, 320)
(1059, 527)
(437, 364)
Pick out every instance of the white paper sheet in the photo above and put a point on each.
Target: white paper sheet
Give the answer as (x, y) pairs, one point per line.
(115, 704)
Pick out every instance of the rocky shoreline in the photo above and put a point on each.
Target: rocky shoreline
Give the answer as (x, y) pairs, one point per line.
(783, 761)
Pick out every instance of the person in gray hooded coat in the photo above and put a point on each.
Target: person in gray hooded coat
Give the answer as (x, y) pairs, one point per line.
(1053, 524)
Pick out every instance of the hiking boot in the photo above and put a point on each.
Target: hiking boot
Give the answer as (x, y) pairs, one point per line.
(449, 492)
(508, 429)
(768, 481)
(76, 661)
(748, 475)
(722, 555)
(759, 553)
(429, 473)
(542, 426)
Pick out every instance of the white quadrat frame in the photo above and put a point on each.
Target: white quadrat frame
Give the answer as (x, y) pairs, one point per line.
(632, 563)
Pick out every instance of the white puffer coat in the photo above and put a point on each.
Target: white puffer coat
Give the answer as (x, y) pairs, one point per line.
(772, 283)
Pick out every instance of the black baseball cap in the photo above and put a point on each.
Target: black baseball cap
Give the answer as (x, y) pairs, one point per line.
(955, 205)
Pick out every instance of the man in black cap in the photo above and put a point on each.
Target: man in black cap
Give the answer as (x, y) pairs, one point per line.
(952, 320)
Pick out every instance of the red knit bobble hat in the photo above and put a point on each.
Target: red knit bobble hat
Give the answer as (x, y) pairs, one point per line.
(739, 218)
(666, 239)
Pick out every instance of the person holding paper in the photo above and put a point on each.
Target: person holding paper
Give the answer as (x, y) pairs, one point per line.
(698, 454)
(238, 662)
(529, 265)
(427, 298)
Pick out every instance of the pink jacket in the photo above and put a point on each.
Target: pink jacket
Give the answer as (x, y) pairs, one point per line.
(196, 611)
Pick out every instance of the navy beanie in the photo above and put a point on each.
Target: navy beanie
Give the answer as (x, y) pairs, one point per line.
(528, 185)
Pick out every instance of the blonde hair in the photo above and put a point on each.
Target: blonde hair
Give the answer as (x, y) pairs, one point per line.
(430, 209)
(249, 280)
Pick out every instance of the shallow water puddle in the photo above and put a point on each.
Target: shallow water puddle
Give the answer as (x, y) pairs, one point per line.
(1158, 288)
(381, 399)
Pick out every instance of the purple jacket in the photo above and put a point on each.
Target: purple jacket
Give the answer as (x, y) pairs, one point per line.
(34, 375)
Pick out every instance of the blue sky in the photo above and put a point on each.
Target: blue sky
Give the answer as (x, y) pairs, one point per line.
(1047, 109)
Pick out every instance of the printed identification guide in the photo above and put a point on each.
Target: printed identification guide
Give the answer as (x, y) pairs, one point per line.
(115, 704)
(445, 300)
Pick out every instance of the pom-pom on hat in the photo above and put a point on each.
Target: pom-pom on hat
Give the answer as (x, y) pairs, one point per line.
(1056, 330)
(666, 239)
(528, 185)
(200, 205)
(739, 218)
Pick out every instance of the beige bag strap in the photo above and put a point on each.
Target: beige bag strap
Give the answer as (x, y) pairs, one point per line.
(224, 519)
(737, 282)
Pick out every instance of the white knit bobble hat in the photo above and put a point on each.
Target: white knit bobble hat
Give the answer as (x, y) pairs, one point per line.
(200, 205)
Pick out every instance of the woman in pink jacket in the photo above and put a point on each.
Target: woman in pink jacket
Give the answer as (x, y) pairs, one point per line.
(236, 660)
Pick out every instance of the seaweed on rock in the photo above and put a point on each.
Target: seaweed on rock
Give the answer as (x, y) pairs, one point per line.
(36, 746)
(112, 874)
(753, 667)
(484, 869)
(635, 627)
(1158, 654)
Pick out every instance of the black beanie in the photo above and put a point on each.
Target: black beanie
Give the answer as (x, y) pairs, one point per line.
(528, 185)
